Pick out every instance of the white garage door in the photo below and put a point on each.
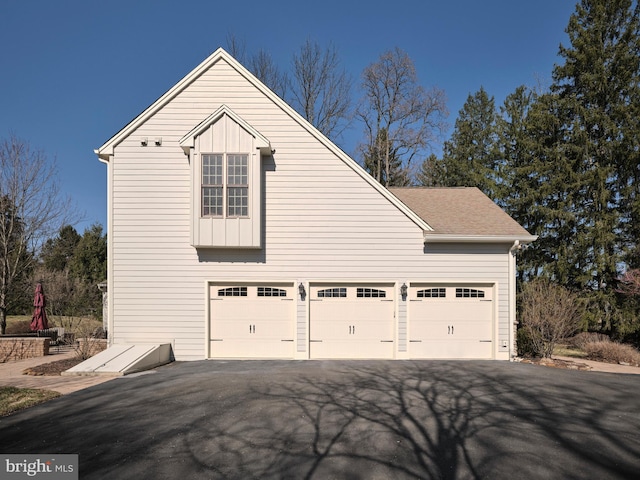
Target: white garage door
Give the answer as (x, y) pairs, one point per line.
(351, 321)
(451, 321)
(252, 321)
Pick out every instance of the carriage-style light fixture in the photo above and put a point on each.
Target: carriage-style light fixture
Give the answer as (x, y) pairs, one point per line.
(403, 291)
(301, 291)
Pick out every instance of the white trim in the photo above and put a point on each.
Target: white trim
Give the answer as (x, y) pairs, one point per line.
(189, 140)
(451, 238)
(110, 287)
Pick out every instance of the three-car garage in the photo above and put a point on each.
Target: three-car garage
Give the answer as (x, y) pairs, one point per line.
(333, 320)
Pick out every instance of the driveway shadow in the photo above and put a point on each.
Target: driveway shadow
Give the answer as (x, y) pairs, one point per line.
(343, 420)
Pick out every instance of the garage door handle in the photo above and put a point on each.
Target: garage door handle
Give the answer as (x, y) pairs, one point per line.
(485, 341)
(286, 340)
(315, 341)
(216, 339)
(386, 341)
(415, 341)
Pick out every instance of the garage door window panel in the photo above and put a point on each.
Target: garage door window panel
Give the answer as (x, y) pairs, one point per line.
(271, 292)
(233, 292)
(469, 293)
(363, 292)
(432, 293)
(338, 292)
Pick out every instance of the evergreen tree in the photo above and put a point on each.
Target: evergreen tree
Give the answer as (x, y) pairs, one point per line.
(57, 252)
(89, 262)
(471, 156)
(597, 96)
(427, 176)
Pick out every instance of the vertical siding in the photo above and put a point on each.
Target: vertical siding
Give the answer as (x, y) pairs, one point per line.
(321, 222)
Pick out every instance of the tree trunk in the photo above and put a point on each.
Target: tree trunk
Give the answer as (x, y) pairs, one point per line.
(3, 320)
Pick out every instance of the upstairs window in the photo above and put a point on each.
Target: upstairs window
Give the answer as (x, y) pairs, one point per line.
(225, 185)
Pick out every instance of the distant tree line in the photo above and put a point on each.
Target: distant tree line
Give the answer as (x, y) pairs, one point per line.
(38, 245)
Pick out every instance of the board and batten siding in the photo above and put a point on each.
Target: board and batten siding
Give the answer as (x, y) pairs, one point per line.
(322, 222)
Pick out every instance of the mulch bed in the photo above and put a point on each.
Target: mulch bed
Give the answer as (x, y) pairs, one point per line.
(52, 368)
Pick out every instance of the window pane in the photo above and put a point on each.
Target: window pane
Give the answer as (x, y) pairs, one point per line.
(237, 168)
(238, 201)
(211, 201)
(212, 170)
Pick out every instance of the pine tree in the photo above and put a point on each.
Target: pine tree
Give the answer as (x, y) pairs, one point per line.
(471, 156)
(597, 94)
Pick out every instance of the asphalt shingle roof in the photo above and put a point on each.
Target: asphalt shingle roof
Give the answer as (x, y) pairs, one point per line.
(459, 211)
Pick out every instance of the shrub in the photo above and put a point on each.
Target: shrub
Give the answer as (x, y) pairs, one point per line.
(524, 343)
(584, 338)
(612, 352)
(550, 313)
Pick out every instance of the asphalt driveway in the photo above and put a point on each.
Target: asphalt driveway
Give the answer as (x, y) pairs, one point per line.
(343, 420)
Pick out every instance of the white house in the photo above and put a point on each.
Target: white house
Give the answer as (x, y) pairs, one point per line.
(237, 230)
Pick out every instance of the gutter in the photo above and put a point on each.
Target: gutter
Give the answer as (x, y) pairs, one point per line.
(454, 238)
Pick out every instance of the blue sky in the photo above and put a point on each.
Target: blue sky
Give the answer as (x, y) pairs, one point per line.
(73, 72)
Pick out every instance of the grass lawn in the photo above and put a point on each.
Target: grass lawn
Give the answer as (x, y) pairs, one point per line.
(70, 324)
(13, 399)
(569, 351)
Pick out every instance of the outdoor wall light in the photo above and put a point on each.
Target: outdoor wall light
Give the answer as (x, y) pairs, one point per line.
(301, 290)
(403, 291)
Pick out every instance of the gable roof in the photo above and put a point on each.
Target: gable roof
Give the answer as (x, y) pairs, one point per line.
(461, 214)
(188, 141)
(107, 150)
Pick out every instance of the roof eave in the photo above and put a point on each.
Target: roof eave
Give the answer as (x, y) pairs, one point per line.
(455, 238)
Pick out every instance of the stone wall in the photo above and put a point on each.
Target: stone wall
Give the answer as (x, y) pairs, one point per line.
(18, 348)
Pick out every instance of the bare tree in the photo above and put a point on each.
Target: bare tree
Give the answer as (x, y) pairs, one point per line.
(321, 90)
(262, 66)
(32, 208)
(399, 115)
(236, 47)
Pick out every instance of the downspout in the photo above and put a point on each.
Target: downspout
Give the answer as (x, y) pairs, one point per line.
(512, 298)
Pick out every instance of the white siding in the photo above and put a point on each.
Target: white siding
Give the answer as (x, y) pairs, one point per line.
(321, 222)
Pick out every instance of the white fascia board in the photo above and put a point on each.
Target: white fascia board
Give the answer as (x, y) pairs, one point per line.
(106, 150)
(437, 238)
